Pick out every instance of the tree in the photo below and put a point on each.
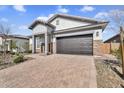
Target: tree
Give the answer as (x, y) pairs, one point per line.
(117, 16)
(122, 47)
(116, 25)
(4, 31)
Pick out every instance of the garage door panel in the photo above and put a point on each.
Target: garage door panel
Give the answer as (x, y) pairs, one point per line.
(75, 45)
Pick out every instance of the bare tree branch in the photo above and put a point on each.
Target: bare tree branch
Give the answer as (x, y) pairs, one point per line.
(4, 31)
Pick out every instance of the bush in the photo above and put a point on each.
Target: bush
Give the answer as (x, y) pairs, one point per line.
(17, 54)
(28, 51)
(0, 61)
(117, 53)
(13, 53)
(18, 58)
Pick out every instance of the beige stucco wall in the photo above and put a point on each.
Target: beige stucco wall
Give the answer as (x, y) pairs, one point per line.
(30, 43)
(95, 37)
(39, 29)
(65, 23)
(49, 29)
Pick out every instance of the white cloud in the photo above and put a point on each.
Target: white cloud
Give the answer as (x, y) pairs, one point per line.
(87, 8)
(62, 10)
(23, 27)
(101, 15)
(44, 18)
(12, 25)
(111, 13)
(4, 19)
(19, 8)
(117, 12)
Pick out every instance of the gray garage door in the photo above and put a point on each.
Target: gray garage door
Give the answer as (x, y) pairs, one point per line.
(75, 45)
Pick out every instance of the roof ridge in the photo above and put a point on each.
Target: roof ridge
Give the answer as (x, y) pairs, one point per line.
(40, 21)
(111, 37)
(73, 16)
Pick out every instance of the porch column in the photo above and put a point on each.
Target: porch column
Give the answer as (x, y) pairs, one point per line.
(46, 43)
(54, 44)
(33, 44)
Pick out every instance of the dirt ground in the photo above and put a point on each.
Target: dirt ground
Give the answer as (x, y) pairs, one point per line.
(109, 74)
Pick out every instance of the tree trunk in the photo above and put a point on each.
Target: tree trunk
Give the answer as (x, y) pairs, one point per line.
(122, 48)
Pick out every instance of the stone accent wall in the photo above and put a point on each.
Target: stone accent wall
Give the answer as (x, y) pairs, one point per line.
(106, 48)
(38, 50)
(97, 50)
(54, 47)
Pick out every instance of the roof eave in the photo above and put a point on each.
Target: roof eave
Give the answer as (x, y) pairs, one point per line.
(89, 27)
(110, 39)
(104, 25)
(39, 22)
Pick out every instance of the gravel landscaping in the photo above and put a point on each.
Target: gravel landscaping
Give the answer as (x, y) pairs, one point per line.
(109, 74)
(9, 61)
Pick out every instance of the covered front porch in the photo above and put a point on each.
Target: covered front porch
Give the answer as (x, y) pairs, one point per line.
(42, 37)
(42, 43)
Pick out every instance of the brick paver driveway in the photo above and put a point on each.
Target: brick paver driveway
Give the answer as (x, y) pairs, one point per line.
(51, 71)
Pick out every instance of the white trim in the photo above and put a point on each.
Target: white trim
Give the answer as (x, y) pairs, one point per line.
(74, 33)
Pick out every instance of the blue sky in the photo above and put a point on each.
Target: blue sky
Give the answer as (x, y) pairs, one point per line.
(20, 17)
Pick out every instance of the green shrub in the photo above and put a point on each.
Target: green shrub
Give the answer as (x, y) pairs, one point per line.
(28, 51)
(117, 53)
(17, 54)
(18, 58)
(0, 61)
(13, 53)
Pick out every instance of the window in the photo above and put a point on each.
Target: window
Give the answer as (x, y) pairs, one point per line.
(39, 40)
(97, 34)
(57, 22)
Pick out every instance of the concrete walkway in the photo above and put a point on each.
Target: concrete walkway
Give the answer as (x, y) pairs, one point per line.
(57, 70)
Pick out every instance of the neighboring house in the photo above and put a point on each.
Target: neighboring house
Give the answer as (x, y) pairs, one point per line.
(30, 42)
(67, 34)
(114, 42)
(113, 39)
(15, 43)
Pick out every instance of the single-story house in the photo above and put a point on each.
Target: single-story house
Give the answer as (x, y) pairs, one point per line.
(114, 42)
(67, 34)
(113, 39)
(15, 43)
